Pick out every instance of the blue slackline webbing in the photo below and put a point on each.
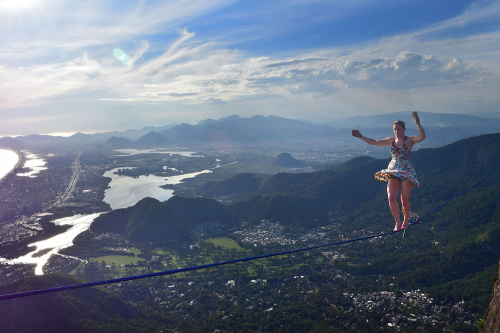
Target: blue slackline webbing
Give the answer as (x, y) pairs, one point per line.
(192, 268)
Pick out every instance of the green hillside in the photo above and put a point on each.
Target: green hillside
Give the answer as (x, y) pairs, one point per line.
(151, 220)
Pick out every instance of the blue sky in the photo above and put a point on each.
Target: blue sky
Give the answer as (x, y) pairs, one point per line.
(94, 66)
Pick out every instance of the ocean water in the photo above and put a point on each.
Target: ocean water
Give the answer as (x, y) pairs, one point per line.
(8, 160)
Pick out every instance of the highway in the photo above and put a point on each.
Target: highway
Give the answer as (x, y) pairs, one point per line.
(72, 183)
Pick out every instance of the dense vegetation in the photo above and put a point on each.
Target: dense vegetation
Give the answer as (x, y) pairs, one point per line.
(151, 220)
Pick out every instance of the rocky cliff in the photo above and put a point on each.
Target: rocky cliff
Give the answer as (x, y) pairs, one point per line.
(492, 320)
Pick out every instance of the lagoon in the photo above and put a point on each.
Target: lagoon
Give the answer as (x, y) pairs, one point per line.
(78, 223)
(132, 151)
(33, 162)
(125, 191)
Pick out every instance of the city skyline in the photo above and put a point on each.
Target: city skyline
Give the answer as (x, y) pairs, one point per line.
(96, 67)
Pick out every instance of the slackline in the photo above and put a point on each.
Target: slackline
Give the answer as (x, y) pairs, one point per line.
(193, 268)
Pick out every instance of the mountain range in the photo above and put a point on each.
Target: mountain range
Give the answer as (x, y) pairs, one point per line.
(234, 130)
(428, 120)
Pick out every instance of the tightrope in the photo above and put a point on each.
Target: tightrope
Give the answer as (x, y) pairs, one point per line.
(228, 262)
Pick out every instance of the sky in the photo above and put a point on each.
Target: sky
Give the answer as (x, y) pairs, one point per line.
(97, 66)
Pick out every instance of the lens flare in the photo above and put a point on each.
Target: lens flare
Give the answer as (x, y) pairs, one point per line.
(121, 56)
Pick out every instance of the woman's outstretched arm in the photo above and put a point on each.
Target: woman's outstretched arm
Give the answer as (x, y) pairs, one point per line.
(382, 142)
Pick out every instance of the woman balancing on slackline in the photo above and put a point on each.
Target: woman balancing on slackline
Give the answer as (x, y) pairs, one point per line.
(400, 172)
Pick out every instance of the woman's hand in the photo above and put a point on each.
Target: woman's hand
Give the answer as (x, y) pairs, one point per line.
(356, 133)
(415, 117)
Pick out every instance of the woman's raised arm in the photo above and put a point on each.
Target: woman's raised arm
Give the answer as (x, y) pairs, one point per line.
(421, 132)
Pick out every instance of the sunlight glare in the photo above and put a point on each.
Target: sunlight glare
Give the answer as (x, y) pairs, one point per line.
(17, 4)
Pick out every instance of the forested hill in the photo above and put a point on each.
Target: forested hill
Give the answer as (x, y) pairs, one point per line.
(472, 156)
(151, 220)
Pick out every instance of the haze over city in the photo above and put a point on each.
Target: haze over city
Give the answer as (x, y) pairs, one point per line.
(100, 66)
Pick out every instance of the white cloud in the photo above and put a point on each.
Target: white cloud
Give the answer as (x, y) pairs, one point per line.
(69, 25)
(204, 73)
(307, 77)
(33, 85)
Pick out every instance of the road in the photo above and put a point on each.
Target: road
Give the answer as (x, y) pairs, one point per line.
(72, 183)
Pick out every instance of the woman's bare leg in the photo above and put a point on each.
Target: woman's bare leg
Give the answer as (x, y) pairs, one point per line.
(406, 188)
(392, 194)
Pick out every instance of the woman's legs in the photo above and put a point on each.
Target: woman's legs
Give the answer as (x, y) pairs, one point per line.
(392, 194)
(406, 188)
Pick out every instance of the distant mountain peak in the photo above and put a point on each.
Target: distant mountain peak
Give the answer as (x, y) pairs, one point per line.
(152, 138)
(286, 160)
(118, 142)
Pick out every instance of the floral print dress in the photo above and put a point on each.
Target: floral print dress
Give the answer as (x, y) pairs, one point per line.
(400, 166)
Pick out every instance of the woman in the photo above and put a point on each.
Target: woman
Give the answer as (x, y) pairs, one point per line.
(400, 172)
